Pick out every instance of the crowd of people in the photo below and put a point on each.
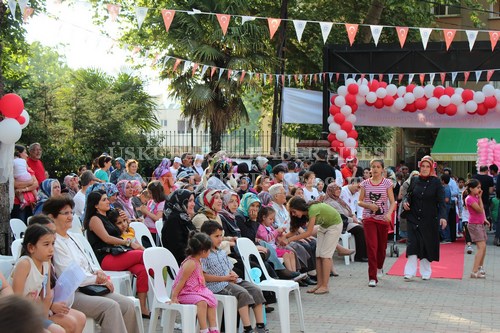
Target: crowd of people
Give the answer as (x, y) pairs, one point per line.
(294, 212)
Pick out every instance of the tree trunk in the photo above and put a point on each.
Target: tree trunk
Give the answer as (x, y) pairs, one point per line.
(373, 17)
(215, 140)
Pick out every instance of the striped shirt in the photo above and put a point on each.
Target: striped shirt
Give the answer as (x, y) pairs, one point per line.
(217, 263)
(376, 194)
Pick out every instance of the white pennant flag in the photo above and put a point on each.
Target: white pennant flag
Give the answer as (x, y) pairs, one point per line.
(310, 78)
(471, 37)
(410, 78)
(299, 28)
(251, 75)
(22, 5)
(425, 33)
(453, 77)
(346, 76)
(300, 78)
(247, 19)
(264, 78)
(12, 7)
(376, 31)
(167, 58)
(330, 75)
(478, 75)
(431, 77)
(326, 27)
(277, 76)
(390, 76)
(203, 70)
(371, 76)
(289, 79)
(354, 76)
(187, 64)
(220, 72)
(140, 15)
(320, 77)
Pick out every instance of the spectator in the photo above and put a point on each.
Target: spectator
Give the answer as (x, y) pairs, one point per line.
(34, 162)
(153, 211)
(291, 177)
(350, 169)
(197, 165)
(175, 166)
(117, 172)
(164, 175)
(19, 315)
(487, 186)
(131, 172)
(104, 163)
(25, 190)
(455, 197)
(71, 182)
(87, 179)
(322, 169)
(49, 188)
(124, 198)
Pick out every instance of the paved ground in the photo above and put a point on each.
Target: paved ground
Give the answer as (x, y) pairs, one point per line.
(438, 305)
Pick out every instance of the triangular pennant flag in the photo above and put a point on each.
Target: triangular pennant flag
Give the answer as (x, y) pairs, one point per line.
(493, 38)
(155, 59)
(371, 77)
(221, 71)
(402, 34)
(195, 67)
(363, 76)
(187, 64)
(453, 77)
(466, 77)
(167, 58)
(282, 80)
(229, 72)
(296, 78)
(400, 78)
(352, 30)
(431, 78)
(299, 28)
(136, 50)
(140, 15)
(323, 75)
(305, 79)
(330, 76)
(310, 78)
(354, 76)
(471, 37)
(478, 75)
(410, 78)
(381, 77)
(12, 6)
(449, 35)
(22, 5)
(337, 76)
(247, 19)
(251, 75)
(489, 74)
(277, 78)
(376, 31)
(270, 79)
(114, 11)
(168, 17)
(443, 77)
(177, 62)
(289, 79)
(316, 78)
(390, 77)
(203, 70)
(264, 78)
(422, 78)
(28, 11)
(425, 33)
(300, 78)
(273, 24)
(326, 27)
(212, 71)
(346, 76)
(223, 22)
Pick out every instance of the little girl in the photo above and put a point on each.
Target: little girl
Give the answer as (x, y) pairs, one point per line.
(121, 222)
(189, 285)
(310, 192)
(274, 237)
(30, 278)
(21, 174)
(477, 220)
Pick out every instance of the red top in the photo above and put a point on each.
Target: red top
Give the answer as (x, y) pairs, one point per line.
(346, 173)
(38, 168)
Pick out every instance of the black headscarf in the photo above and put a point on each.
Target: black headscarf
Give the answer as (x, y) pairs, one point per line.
(177, 202)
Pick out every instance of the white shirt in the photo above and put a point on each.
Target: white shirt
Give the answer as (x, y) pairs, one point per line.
(282, 217)
(79, 200)
(339, 180)
(312, 195)
(352, 201)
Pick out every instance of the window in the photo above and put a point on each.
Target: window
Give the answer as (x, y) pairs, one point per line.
(443, 10)
(182, 126)
(495, 9)
(164, 123)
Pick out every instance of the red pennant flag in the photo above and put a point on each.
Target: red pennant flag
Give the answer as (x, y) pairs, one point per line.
(402, 34)
(324, 76)
(113, 11)
(494, 39)
(274, 24)
(282, 80)
(422, 79)
(381, 77)
(242, 76)
(177, 62)
(212, 71)
(195, 67)
(136, 50)
(315, 78)
(305, 79)
(28, 11)
(466, 76)
(362, 77)
(168, 17)
(229, 72)
(337, 76)
(224, 22)
(257, 76)
(352, 30)
(296, 78)
(449, 35)
(155, 60)
(270, 79)
(400, 77)
(489, 74)
(443, 77)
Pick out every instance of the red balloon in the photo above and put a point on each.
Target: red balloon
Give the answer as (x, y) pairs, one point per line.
(451, 110)
(481, 109)
(379, 103)
(331, 137)
(334, 109)
(21, 120)
(411, 107)
(332, 99)
(383, 84)
(467, 95)
(410, 87)
(353, 88)
(374, 85)
(388, 100)
(346, 126)
(354, 108)
(449, 91)
(350, 99)
(421, 103)
(369, 104)
(441, 109)
(490, 102)
(11, 105)
(353, 134)
(339, 118)
(346, 152)
(438, 92)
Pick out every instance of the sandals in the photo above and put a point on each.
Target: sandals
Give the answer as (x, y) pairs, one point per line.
(477, 275)
(321, 291)
(312, 291)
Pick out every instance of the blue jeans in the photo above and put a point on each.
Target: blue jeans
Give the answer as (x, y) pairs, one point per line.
(273, 257)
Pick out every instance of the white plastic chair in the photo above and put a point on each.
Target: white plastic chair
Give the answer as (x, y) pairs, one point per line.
(16, 248)
(159, 227)
(18, 228)
(229, 306)
(6, 265)
(282, 288)
(142, 231)
(76, 225)
(348, 242)
(156, 259)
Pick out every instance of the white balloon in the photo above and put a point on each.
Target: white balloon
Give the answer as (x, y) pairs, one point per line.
(346, 110)
(341, 135)
(334, 127)
(371, 97)
(459, 90)
(429, 90)
(363, 90)
(399, 103)
(488, 90)
(444, 100)
(471, 106)
(362, 82)
(409, 98)
(401, 91)
(351, 118)
(461, 111)
(350, 143)
(456, 98)
(418, 92)
(349, 81)
(478, 97)
(354, 152)
(360, 100)
(432, 103)
(26, 116)
(340, 101)
(342, 91)
(330, 119)
(10, 131)
(381, 92)
(391, 89)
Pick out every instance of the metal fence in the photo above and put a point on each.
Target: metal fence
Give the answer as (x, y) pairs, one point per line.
(237, 143)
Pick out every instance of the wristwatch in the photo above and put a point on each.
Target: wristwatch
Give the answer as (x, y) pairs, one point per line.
(129, 241)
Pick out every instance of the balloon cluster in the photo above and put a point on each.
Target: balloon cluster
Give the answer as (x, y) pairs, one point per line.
(15, 118)
(488, 152)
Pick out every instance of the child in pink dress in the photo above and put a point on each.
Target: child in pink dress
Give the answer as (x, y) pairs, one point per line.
(189, 285)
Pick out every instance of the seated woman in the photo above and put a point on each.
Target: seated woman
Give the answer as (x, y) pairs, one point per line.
(103, 235)
(353, 225)
(131, 172)
(230, 204)
(48, 188)
(124, 198)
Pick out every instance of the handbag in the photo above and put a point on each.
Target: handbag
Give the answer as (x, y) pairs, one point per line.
(95, 290)
(404, 213)
(115, 250)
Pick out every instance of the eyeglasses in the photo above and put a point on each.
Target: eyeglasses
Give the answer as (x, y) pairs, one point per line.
(66, 213)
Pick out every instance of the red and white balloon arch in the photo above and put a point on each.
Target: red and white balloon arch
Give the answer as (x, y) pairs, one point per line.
(449, 101)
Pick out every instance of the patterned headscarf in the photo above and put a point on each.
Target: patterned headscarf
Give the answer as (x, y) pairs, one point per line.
(431, 162)
(246, 201)
(109, 188)
(123, 200)
(44, 193)
(137, 186)
(265, 198)
(208, 199)
(162, 169)
(177, 202)
(221, 169)
(330, 193)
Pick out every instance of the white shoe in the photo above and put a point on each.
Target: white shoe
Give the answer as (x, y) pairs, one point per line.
(469, 249)
(380, 273)
(481, 270)
(408, 278)
(426, 278)
(300, 277)
(372, 283)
